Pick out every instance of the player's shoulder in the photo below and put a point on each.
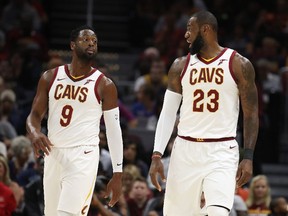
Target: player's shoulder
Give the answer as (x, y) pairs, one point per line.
(50, 74)
(239, 59)
(106, 81)
(242, 66)
(179, 63)
(54, 70)
(181, 60)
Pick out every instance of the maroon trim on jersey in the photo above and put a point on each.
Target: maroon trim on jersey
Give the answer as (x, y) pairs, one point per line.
(96, 86)
(77, 79)
(185, 67)
(53, 78)
(212, 60)
(230, 66)
(207, 139)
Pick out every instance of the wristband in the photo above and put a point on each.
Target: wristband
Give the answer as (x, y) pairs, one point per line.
(156, 156)
(248, 154)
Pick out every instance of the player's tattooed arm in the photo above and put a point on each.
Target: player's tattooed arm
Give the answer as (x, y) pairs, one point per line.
(174, 82)
(245, 75)
(245, 78)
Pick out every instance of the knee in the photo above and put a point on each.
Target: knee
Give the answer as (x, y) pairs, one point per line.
(217, 211)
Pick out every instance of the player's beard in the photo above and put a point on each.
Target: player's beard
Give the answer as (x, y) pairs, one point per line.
(84, 56)
(197, 45)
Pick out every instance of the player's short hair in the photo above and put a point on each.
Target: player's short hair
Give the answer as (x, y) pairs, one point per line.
(75, 32)
(206, 17)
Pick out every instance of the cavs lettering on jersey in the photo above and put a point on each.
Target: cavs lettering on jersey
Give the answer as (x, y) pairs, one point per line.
(210, 106)
(75, 109)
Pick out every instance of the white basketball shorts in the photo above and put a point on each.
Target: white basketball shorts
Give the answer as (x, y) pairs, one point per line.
(69, 179)
(200, 166)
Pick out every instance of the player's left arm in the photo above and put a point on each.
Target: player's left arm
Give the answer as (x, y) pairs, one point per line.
(245, 75)
(109, 96)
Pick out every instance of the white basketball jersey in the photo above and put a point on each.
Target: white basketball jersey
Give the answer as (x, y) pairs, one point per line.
(75, 109)
(210, 105)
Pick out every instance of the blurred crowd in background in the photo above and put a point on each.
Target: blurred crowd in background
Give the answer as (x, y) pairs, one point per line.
(257, 29)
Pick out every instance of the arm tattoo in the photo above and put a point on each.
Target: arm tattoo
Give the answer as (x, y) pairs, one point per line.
(174, 83)
(249, 100)
(247, 70)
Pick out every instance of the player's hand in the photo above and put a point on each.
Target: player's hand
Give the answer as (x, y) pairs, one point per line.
(155, 168)
(244, 172)
(114, 186)
(40, 143)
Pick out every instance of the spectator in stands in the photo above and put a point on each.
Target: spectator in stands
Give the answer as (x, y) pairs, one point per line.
(2, 84)
(9, 112)
(239, 40)
(154, 206)
(18, 191)
(34, 194)
(18, 12)
(156, 77)
(243, 192)
(270, 88)
(7, 130)
(130, 173)
(3, 150)
(41, 13)
(146, 107)
(99, 204)
(11, 65)
(22, 157)
(143, 63)
(7, 200)
(138, 197)
(259, 198)
(239, 207)
(168, 33)
(131, 152)
(279, 207)
(8, 100)
(7, 133)
(126, 115)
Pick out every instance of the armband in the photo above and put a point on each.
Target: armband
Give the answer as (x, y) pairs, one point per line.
(114, 138)
(248, 154)
(166, 120)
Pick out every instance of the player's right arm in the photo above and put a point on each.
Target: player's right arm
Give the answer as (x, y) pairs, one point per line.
(38, 111)
(245, 75)
(109, 96)
(166, 122)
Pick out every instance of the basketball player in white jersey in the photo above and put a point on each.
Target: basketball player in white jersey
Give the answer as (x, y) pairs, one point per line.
(210, 82)
(75, 96)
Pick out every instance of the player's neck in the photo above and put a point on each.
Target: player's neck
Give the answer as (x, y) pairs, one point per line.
(210, 52)
(78, 69)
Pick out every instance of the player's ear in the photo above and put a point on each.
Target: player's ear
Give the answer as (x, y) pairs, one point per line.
(205, 28)
(72, 45)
